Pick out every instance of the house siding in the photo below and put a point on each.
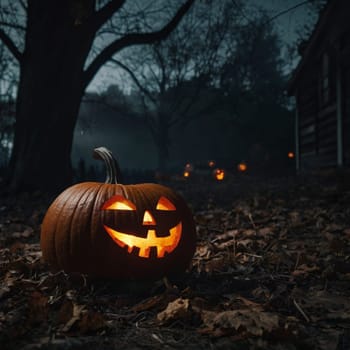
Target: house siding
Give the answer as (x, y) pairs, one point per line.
(346, 103)
(321, 86)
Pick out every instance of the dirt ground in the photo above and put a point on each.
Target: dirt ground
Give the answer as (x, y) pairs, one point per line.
(271, 271)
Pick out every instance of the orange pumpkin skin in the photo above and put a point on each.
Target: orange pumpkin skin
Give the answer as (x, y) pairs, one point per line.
(74, 236)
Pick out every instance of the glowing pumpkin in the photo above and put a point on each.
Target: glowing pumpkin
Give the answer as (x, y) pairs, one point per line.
(219, 174)
(143, 231)
(242, 167)
(189, 167)
(211, 163)
(291, 155)
(186, 174)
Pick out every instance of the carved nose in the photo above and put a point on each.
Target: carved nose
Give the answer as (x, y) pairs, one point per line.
(148, 219)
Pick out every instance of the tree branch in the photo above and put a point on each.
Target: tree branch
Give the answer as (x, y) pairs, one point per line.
(211, 107)
(104, 14)
(191, 100)
(24, 5)
(10, 45)
(135, 80)
(124, 112)
(134, 39)
(12, 25)
(281, 13)
(162, 66)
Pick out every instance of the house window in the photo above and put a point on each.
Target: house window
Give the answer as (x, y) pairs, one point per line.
(325, 79)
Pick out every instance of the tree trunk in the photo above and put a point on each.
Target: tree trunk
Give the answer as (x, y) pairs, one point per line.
(59, 36)
(162, 143)
(162, 160)
(49, 95)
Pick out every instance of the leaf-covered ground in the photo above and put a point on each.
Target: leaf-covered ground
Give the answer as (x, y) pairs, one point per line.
(271, 271)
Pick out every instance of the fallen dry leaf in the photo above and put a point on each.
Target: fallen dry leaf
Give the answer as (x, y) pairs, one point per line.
(252, 321)
(38, 307)
(75, 317)
(91, 321)
(178, 309)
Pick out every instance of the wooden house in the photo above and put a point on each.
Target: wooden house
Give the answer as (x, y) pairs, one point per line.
(321, 86)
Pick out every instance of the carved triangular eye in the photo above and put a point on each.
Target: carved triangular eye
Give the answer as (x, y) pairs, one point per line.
(148, 219)
(118, 203)
(165, 204)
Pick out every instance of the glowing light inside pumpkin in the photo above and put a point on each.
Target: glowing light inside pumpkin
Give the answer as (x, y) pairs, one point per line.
(187, 174)
(291, 155)
(162, 244)
(165, 204)
(148, 219)
(118, 203)
(219, 174)
(242, 167)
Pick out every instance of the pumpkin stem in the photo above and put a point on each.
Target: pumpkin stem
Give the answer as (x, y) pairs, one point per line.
(112, 167)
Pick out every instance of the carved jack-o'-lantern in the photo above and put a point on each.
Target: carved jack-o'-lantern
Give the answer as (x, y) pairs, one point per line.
(162, 245)
(142, 231)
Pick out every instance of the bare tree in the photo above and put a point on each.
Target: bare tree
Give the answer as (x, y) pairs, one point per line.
(176, 78)
(55, 44)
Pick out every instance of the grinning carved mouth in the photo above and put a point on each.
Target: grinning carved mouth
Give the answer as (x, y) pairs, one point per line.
(163, 244)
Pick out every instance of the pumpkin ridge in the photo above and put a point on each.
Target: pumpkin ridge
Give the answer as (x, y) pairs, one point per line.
(86, 214)
(96, 207)
(55, 205)
(145, 202)
(54, 232)
(69, 227)
(135, 197)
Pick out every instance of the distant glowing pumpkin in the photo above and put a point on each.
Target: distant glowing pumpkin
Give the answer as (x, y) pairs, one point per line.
(219, 174)
(189, 167)
(211, 163)
(242, 167)
(291, 155)
(143, 231)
